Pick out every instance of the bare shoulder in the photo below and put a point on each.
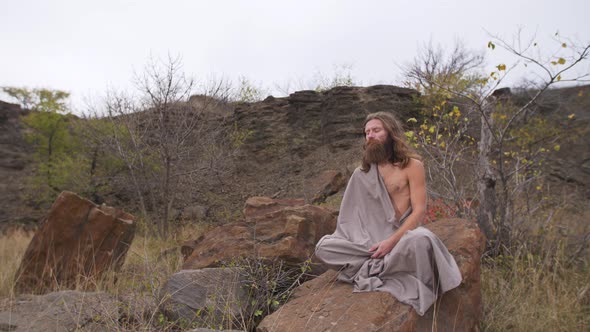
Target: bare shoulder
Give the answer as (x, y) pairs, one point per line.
(415, 165)
(415, 170)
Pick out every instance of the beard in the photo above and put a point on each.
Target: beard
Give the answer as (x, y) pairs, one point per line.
(376, 152)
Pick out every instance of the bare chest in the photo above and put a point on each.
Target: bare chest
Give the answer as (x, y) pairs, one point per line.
(395, 179)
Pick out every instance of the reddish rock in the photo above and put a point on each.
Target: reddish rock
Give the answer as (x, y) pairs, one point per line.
(284, 229)
(260, 205)
(78, 241)
(326, 184)
(326, 304)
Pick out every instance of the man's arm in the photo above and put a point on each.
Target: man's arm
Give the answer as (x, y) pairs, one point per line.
(417, 184)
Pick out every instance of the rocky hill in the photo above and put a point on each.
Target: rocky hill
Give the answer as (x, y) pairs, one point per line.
(287, 144)
(294, 139)
(15, 160)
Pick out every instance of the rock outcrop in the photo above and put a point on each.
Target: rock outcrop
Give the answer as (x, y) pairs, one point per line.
(280, 143)
(207, 297)
(281, 229)
(324, 304)
(15, 158)
(283, 142)
(296, 138)
(77, 242)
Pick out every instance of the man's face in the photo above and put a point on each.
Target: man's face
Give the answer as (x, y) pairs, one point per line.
(374, 131)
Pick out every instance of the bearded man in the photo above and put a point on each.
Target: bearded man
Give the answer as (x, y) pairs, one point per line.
(378, 244)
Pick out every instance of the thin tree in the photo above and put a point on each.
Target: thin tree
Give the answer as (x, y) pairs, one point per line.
(498, 114)
(154, 134)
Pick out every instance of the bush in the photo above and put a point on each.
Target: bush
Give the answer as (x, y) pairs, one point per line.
(268, 283)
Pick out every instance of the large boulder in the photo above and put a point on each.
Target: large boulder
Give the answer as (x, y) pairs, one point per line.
(60, 311)
(207, 298)
(325, 304)
(272, 229)
(77, 242)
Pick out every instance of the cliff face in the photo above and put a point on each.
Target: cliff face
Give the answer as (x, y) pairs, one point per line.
(295, 138)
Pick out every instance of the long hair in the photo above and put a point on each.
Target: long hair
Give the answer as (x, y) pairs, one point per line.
(401, 151)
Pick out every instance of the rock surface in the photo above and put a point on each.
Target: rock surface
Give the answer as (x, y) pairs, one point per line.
(296, 138)
(208, 298)
(324, 304)
(77, 242)
(60, 311)
(283, 229)
(326, 184)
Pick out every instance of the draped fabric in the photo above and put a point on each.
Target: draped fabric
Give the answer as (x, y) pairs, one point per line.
(415, 272)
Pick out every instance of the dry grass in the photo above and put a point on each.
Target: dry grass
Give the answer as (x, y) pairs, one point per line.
(522, 292)
(13, 245)
(151, 260)
(543, 284)
(149, 263)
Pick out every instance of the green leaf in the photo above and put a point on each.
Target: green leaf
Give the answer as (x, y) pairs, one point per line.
(564, 45)
(491, 45)
(501, 67)
(558, 77)
(561, 61)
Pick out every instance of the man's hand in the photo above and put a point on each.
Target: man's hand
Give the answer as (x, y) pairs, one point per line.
(384, 247)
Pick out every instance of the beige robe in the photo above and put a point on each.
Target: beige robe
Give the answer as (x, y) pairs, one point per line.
(417, 269)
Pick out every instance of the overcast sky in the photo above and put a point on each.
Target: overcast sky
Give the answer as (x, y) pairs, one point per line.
(86, 46)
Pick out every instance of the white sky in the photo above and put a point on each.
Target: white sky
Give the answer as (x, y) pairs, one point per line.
(86, 46)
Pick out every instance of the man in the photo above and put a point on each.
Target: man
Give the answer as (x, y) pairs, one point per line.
(378, 244)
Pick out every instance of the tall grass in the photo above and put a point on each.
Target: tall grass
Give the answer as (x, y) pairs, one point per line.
(150, 261)
(13, 245)
(541, 283)
(522, 293)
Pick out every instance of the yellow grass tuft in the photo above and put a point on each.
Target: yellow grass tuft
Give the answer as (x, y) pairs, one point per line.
(13, 245)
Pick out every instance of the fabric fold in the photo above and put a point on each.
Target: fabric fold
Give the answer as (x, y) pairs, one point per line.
(416, 271)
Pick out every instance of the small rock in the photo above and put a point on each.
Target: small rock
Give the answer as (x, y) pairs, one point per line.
(60, 311)
(205, 298)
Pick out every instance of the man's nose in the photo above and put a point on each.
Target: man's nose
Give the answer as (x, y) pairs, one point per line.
(370, 135)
